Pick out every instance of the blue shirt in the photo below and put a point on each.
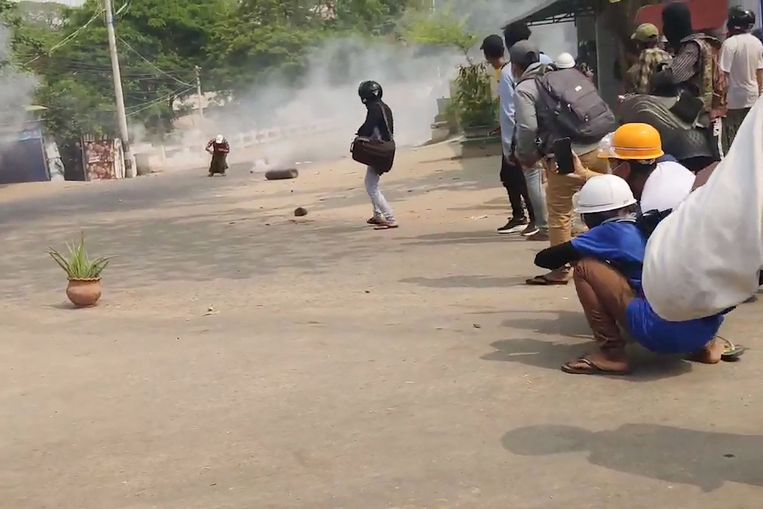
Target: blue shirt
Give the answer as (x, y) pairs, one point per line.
(622, 245)
(507, 110)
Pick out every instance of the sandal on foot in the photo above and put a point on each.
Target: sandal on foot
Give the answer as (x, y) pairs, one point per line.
(544, 280)
(588, 368)
(731, 352)
(375, 221)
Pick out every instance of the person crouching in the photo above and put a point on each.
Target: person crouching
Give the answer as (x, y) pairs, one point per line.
(608, 263)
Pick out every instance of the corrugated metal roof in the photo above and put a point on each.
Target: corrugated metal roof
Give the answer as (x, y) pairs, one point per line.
(548, 12)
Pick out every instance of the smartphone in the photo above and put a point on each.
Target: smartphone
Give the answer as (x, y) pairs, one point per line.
(563, 156)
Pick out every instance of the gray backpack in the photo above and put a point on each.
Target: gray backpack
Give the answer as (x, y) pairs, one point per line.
(569, 106)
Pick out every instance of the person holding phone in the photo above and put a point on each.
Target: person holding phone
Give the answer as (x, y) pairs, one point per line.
(525, 61)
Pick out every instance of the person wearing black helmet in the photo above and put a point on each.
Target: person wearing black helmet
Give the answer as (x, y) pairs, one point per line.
(742, 63)
(379, 124)
(694, 71)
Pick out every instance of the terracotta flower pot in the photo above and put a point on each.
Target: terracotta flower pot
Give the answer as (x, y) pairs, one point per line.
(84, 292)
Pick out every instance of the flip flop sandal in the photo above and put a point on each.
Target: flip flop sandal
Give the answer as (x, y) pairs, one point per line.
(374, 221)
(589, 369)
(546, 281)
(731, 352)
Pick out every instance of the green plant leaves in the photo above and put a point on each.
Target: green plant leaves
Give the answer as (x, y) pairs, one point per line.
(77, 263)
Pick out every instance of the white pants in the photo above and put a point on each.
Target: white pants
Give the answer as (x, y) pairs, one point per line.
(381, 207)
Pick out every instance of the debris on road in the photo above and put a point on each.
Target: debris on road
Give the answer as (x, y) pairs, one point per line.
(300, 212)
(290, 173)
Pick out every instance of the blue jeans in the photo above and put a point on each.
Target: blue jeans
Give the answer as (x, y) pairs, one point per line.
(534, 180)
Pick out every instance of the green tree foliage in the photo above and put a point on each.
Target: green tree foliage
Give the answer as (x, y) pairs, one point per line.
(237, 43)
(442, 28)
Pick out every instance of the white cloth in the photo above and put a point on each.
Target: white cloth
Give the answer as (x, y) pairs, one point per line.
(668, 185)
(741, 57)
(705, 257)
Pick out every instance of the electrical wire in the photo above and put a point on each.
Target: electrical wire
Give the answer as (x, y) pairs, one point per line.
(153, 65)
(137, 108)
(69, 37)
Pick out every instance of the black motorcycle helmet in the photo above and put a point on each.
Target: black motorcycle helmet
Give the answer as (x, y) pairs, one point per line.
(370, 91)
(740, 19)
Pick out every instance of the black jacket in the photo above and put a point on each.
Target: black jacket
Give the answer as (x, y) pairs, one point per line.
(377, 110)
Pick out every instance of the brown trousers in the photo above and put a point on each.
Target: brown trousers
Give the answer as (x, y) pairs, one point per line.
(605, 294)
(559, 194)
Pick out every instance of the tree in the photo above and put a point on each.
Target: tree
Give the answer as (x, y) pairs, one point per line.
(160, 43)
(442, 28)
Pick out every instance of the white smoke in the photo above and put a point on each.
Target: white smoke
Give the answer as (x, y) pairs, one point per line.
(16, 90)
(412, 78)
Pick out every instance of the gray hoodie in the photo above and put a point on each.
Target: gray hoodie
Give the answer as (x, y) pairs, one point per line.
(526, 131)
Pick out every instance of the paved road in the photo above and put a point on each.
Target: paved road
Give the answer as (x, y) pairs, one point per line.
(242, 358)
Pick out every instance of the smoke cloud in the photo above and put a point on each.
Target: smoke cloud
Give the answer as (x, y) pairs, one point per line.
(16, 90)
(326, 101)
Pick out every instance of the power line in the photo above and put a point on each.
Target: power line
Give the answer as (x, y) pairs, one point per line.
(152, 64)
(137, 108)
(69, 37)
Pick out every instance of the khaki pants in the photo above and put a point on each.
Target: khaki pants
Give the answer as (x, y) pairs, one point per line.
(605, 295)
(559, 194)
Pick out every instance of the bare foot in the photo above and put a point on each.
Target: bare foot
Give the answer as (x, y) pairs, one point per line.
(711, 354)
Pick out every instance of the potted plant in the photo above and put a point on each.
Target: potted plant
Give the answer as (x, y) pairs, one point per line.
(84, 275)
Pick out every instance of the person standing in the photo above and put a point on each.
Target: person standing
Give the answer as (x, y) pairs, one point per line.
(511, 173)
(537, 129)
(651, 58)
(515, 33)
(694, 70)
(742, 63)
(219, 148)
(379, 125)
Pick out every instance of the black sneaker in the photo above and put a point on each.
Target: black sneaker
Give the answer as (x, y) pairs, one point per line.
(530, 230)
(514, 226)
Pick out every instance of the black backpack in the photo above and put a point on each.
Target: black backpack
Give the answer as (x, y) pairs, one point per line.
(569, 106)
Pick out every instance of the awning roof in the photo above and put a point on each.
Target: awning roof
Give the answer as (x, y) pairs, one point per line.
(548, 12)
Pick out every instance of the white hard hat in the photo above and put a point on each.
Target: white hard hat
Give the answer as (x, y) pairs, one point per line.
(603, 193)
(565, 61)
(668, 185)
(220, 138)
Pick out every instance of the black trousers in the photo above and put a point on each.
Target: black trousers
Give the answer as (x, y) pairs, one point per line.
(513, 179)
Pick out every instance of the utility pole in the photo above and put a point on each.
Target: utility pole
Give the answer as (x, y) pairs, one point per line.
(120, 100)
(199, 97)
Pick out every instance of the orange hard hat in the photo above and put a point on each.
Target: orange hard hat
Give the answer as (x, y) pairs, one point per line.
(640, 142)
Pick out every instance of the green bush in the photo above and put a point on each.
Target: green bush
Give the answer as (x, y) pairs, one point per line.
(474, 99)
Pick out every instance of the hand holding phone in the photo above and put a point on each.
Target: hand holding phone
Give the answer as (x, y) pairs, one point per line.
(563, 155)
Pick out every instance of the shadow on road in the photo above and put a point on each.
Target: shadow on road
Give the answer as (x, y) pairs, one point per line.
(674, 455)
(550, 355)
(478, 281)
